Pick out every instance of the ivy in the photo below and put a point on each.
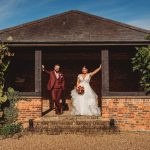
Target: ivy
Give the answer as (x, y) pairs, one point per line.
(5, 55)
(10, 125)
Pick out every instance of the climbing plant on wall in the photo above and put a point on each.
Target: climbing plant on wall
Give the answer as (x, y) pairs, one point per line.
(5, 55)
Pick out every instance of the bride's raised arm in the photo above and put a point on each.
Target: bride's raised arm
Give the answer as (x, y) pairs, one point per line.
(95, 71)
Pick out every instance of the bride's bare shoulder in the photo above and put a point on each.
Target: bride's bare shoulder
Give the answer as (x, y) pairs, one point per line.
(79, 75)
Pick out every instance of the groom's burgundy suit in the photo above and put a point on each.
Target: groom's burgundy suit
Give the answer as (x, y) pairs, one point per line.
(56, 86)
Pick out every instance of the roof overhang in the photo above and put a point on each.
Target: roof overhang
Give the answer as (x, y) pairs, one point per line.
(96, 43)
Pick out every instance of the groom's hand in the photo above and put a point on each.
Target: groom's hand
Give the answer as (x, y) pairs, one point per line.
(100, 66)
(43, 67)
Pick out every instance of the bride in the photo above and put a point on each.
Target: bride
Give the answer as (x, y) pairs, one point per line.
(83, 97)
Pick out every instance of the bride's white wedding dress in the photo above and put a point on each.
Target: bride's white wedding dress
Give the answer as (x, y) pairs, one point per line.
(85, 104)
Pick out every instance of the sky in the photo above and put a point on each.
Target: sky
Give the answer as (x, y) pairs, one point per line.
(133, 12)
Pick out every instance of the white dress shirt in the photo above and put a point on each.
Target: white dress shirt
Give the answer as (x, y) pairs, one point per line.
(57, 74)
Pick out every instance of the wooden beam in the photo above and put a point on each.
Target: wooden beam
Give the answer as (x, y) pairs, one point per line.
(38, 76)
(80, 43)
(105, 72)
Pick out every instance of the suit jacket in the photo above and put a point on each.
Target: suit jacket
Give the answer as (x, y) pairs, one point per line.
(53, 80)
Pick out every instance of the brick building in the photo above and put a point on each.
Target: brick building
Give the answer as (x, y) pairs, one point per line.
(74, 39)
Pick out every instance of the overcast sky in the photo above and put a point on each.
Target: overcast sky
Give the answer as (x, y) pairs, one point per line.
(133, 12)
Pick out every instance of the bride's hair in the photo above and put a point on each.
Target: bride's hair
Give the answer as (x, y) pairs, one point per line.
(84, 67)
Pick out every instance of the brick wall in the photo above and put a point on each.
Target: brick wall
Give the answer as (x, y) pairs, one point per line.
(29, 109)
(129, 113)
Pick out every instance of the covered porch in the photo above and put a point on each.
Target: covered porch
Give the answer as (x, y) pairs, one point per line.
(116, 78)
(73, 39)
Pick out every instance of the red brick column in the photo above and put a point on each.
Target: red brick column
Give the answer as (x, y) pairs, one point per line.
(29, 109)
(130, 113)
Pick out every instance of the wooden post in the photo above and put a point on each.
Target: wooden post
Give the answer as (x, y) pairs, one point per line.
(38, 76)
(105, 72)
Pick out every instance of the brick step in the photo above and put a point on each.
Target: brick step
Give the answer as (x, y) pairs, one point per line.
(54, 131)
(51, 123)
(71, 124)
(72, 129)
(69, 117)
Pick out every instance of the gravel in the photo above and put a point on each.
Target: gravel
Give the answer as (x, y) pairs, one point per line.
(120, 141)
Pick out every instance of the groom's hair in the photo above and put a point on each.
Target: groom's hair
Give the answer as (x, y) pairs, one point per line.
(56, 65)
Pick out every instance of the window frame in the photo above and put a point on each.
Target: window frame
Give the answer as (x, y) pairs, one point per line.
(105, 78)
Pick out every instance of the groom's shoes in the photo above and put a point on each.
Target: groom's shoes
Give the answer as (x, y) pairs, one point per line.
(51, 108)
(65, 107)
(58, 111)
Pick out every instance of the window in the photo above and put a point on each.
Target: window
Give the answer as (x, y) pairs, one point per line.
(121, 76)
(21, 72)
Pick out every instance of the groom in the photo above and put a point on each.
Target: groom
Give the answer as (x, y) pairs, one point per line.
(55, 86)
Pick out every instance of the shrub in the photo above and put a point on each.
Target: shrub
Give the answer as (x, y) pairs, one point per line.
(10, 125)
(10, 129)
(11, 112)
(141, 64)
(5, 56)
(147, 37)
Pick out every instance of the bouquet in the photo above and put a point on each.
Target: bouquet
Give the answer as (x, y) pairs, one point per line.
(80, 90)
